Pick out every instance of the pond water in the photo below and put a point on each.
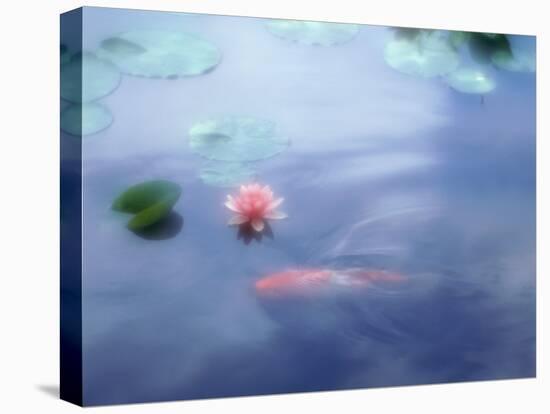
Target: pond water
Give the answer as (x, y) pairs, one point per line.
(381, 170)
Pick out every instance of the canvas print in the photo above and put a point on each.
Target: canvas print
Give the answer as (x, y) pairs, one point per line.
(260, 206)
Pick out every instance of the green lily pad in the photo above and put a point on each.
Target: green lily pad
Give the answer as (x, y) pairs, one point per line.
(469, 80)
(458, 38)
(408, 33)
(226, 174)
(86, 78)
(160, 54)
(521, 58)
(150, 201)
(484, 45)
(85, 119)
(313, 33)
(428, 54)
(517, 62)
(122, 47)
(236, 139)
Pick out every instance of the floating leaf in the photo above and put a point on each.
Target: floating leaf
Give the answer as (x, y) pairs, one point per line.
(458, 38)
(469, 80)
(226, 174)
(158, 53)
(429, 54)
(85, 119)
(122, 47)
(86, 78)
(150, 201)
(408, 33)
(236, 139)
(521, 58)
(518, 62)
(484, 45)
(313, 33)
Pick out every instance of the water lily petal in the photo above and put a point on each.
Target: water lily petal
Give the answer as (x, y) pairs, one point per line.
(267, 193)
(257, 224)
(276, 203)
(276, 215)
(230, 204)
(237, 220)
(257, 204)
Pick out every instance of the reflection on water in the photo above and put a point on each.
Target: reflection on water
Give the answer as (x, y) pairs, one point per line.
(166, 228)
(246, 233)
(385, 171)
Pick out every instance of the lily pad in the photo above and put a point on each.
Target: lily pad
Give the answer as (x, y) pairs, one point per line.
(227, 174)
(86, 78)
(313, 33)
(458, 38)
(407, 32)
(517, 62)
(85, 119)
(160, 53)
(484, 45)
(122, 47)
(236, 139)
(428, 54)
(469, 80)
(150, 201)
(521, 57)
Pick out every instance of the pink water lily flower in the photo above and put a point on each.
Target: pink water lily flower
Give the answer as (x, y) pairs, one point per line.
(254, 204)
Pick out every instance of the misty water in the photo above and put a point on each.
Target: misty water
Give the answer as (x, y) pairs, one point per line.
(383, 170)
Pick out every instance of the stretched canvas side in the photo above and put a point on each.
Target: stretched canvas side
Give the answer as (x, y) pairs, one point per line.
(71, 219)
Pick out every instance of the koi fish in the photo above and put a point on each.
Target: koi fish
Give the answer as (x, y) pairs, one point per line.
(307, 282)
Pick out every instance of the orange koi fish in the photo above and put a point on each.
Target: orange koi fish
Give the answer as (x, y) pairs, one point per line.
(315, 281)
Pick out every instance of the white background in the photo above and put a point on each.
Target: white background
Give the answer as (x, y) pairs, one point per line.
(29, 194)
